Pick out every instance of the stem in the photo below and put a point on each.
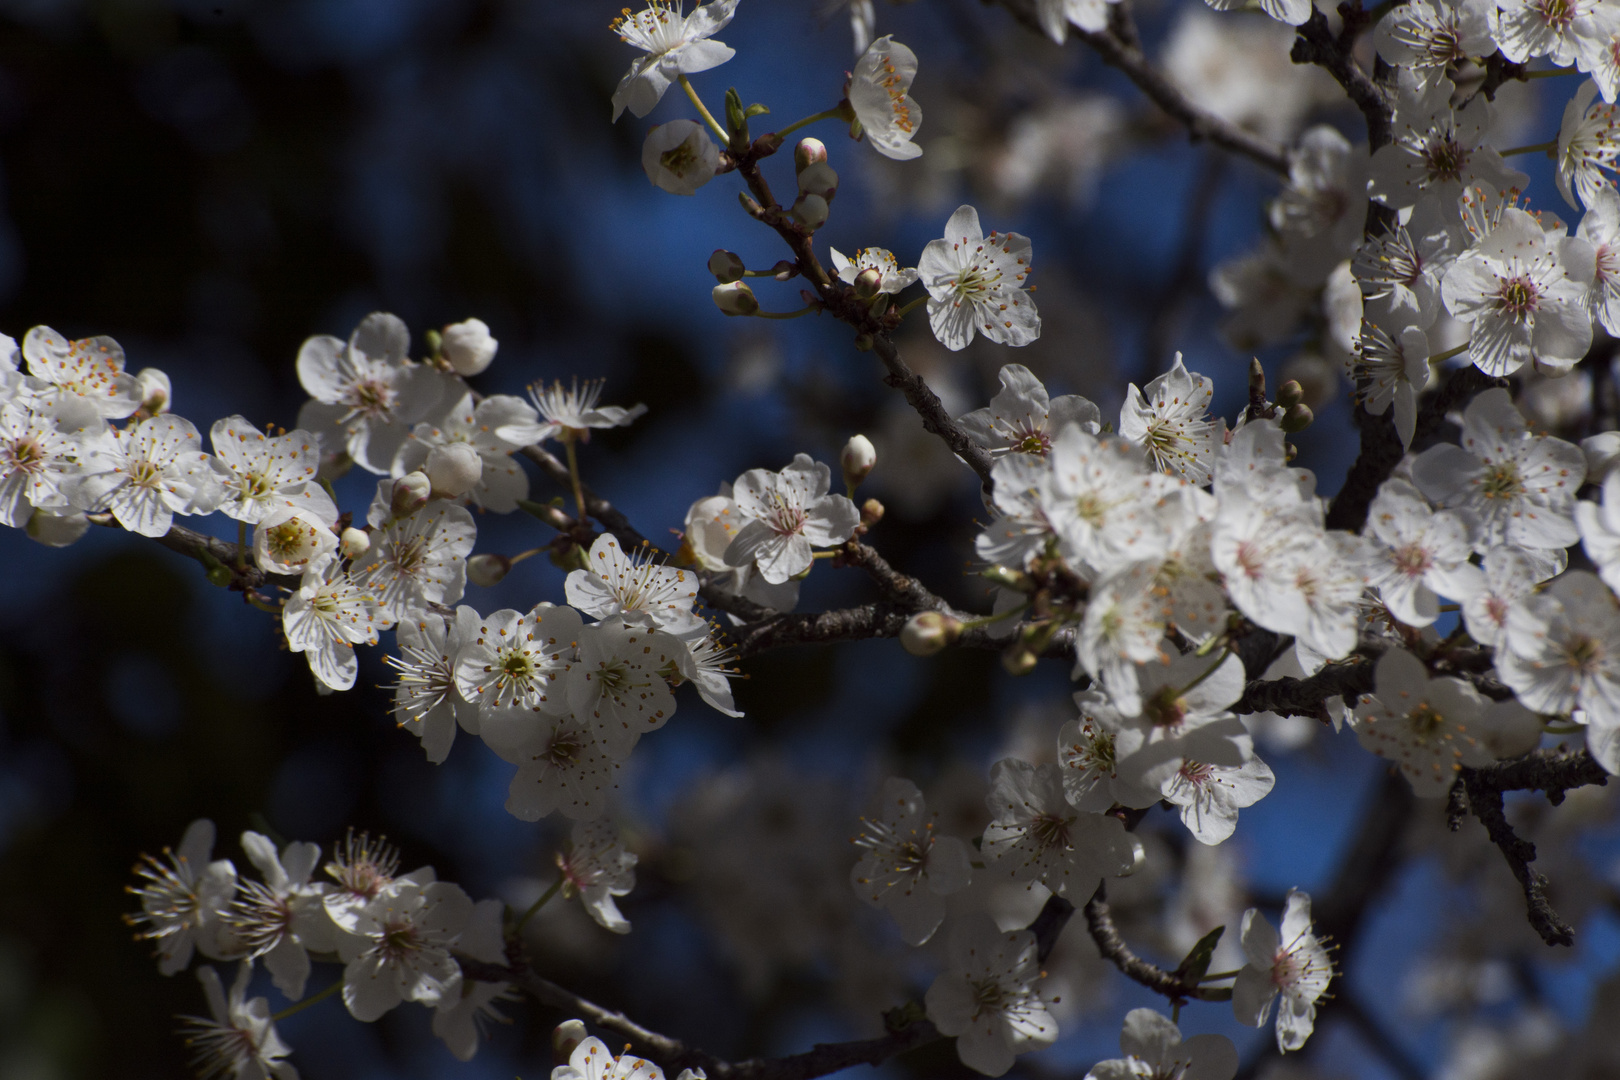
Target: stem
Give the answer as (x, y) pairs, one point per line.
(537, 905)
(1221, 975)
(787, 314)
(903, 312)
(830, 114)
(826, 554)
(986, 620)
(1562, 729)
(714, 125)
(307, 1002)
(1536, 148)
(1448, 354)
(263, 605)
(573, 470)
(1219, 660)
(515, 559)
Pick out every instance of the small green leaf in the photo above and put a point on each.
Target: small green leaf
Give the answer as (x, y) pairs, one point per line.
(754, 110)
(1196, 965)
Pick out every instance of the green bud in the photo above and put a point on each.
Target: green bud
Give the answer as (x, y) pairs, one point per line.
(928, 632)
(434, 340)
(1297, 418)
(220, 575)
(1290, 394)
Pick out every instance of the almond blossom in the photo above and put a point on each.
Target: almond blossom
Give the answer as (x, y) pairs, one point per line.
(1438, 151)
(1425, 725)
(906, 867)
(675, 43)
(636, 588)
(786, 514)
(184, 898)
(427, 701)
(616, 683)
(1170, 420)
(39, 451)
(397, 946)
(990, 998)
(146, 474)
(282, 919)
(1294, 964)
(90, 371)
(567, 413)
(598, 868)
(1518, 485)
(476, 425)
(891, 276)
(367, 393)
(515, 658)
(1418, 552)
(975, 284)
(262, 475)
(878, 94)
(1587, 146)
(1391, 371)
(1036, 835)
(1523, 293)
(561, 763)
(1154, 1050)
(1600, 227)
(1427, 36)
(240, 1040)
(326, 618)
(1023, 418)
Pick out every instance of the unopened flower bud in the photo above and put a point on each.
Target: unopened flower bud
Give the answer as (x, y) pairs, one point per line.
(927, 633)
(1019, 659)
(354, 542)
(1317, 377)
(857, 460)
(411, 493)
(871, 512)
(1257, 379)
(809, 152)
(819, 179)
(1008, 578)
(811, 211)
(56, 530)
(1297, 418)
(454, 468)
(1290, 394)
(487, 570)
(735, 298)
(863, 342)
(155, 391)
(468, 347)
(868, 282)
(567, 1035)
(726, 266)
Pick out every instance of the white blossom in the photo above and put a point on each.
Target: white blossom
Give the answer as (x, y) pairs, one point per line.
(1426, 37)
(397, 946)
(326, 618)
(1391, 371)
(282, 919)
(39, 450)
(1523, 294)
(1399, 271)
(1023, 418)
(416, 560)
(561, 763)
(1154, 1050)
(878, 93)
(262, 475)
(906, 867)
(1170, 421)
(1211, 795)
(680, 157)
(786, 514)
(1488, 592)
(892, 277)
(1560, 30)
(975, 284)
(90, 371)
(476, 425)
(183, 898)
(567, 413)
(427, 701)
(598, 868)
(1294, 964)
(1519, 486)
(990, 996)
(1437, 151)
(617, 685)
(711, 524)
(636, 588)
(146, 474)
(1600, 227)
(1036, 835)
(515, 658)
(240, 1041)
(290, 540)
(367, 392)
(1587, 147)
(675, 43)
(1425, 725)
(1418, 551)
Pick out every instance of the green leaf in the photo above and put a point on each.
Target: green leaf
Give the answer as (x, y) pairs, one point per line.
(754, 110)
(1196, 964)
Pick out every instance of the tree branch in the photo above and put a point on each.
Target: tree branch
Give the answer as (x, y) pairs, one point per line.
(1552, 772)
(1100, 921)
(1122, 52)
(1316, 44)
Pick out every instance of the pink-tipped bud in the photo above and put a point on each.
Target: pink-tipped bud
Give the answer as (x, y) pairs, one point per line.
(726, 266)
(868, 282)
(411, 493)
(454, 469)
(487, 570)
(564, 1038)
(811, 211)
(819, 179)
(809, 152)
(156, 393)
(871, 512)
(735, 298)
(858, 458)
(354, 542)
(929, 632)
(468, 347)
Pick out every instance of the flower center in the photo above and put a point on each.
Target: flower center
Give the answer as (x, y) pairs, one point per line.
(1517, 296)
(1050, 831)
(1445, 158)
(1425, 722)
(1502, 482)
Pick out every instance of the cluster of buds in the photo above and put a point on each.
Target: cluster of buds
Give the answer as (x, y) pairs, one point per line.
(818, 183)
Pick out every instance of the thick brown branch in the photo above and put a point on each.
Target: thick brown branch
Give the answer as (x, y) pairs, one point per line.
(1552, 772)
(1317, 44)
(1122, 51)
(1305, 697)
(936, 421)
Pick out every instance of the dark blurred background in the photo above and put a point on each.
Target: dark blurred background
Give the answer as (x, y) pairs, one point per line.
(211, 181)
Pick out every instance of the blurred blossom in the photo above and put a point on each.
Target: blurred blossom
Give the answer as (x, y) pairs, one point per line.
(1237, 67)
